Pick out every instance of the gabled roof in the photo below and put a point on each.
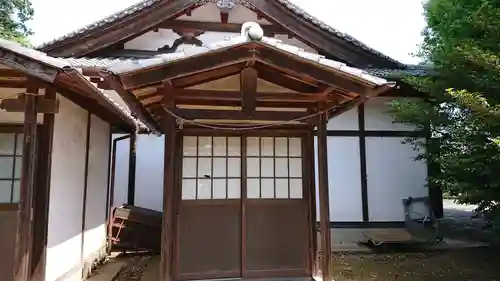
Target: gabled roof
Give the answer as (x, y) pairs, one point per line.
(149, 13)
(62, 74)
(340, 67)
(148, 83)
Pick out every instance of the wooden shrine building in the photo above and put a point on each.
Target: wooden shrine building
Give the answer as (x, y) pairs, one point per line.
(245, 122)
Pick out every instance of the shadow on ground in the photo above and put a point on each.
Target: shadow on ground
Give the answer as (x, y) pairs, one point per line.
(459, 224)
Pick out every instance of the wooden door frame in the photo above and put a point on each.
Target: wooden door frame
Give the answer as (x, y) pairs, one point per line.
(307, 136)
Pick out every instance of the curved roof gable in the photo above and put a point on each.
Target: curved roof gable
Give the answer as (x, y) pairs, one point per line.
(147, 14)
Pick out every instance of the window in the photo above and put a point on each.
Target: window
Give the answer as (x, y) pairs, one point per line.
(274, 168)
(211, 168)
(11, 145)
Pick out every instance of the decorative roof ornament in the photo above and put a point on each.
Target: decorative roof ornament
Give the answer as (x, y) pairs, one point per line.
(225, 6)
(252, 31)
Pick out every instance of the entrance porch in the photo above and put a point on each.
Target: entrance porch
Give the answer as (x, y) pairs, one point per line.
(239, 119)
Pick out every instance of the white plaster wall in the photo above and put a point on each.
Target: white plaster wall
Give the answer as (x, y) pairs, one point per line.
(97, 183)
(345, 121)
(377, 117)
(149, 172)
(152, 40)
(392, 176)
(207, 13)
(344, 179)
(64, 235)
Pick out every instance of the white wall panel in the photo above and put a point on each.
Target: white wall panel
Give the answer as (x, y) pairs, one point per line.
(345, 121)
(64, 235)
(149, 172)
(392, 175)
(97, 183)
(378, 117)
(344, 178)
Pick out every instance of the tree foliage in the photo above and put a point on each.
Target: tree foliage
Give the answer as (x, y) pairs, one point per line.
(461, 42)
(13, 17)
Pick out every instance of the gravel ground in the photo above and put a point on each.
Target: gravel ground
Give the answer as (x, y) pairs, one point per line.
(134, 269)
(476, 264)
(479, 264)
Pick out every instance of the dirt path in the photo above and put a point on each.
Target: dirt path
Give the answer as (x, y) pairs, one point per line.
(459, 224)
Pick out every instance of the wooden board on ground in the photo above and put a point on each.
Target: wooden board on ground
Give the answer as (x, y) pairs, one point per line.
(390, 236)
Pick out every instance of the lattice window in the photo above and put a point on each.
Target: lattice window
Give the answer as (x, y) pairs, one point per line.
(274, 168)
(211, 168)
(11, 145)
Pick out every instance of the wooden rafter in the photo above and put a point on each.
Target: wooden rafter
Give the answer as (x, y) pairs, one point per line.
(307, 70)
(132, 102)
(248, 86)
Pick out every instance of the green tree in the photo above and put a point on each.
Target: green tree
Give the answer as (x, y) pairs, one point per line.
(461, 42)
(13, 17)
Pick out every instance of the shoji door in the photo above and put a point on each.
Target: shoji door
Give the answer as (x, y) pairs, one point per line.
(276, 225)
(210, 210)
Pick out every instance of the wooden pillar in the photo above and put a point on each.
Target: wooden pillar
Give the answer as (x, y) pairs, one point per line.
(132, 168)
(169, 175)
(324, 201)
(42, 191)
(24, 235)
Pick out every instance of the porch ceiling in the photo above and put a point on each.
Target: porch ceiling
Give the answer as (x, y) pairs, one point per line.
(246, 79)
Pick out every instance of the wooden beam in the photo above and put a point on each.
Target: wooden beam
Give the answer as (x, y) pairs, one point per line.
(12, 73)
(169, 183)
(308, 70)
(248, 86)
(13, 84)
(237, 103)
(185, 67)
(324, 201)
(132, 159)
(269, 30)
(284, 80)
(24, 235)
(42, 192)
(192, 114)
(194, 94)
(132, 102)
(19, 105)
(207, 76)
(359, 100)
